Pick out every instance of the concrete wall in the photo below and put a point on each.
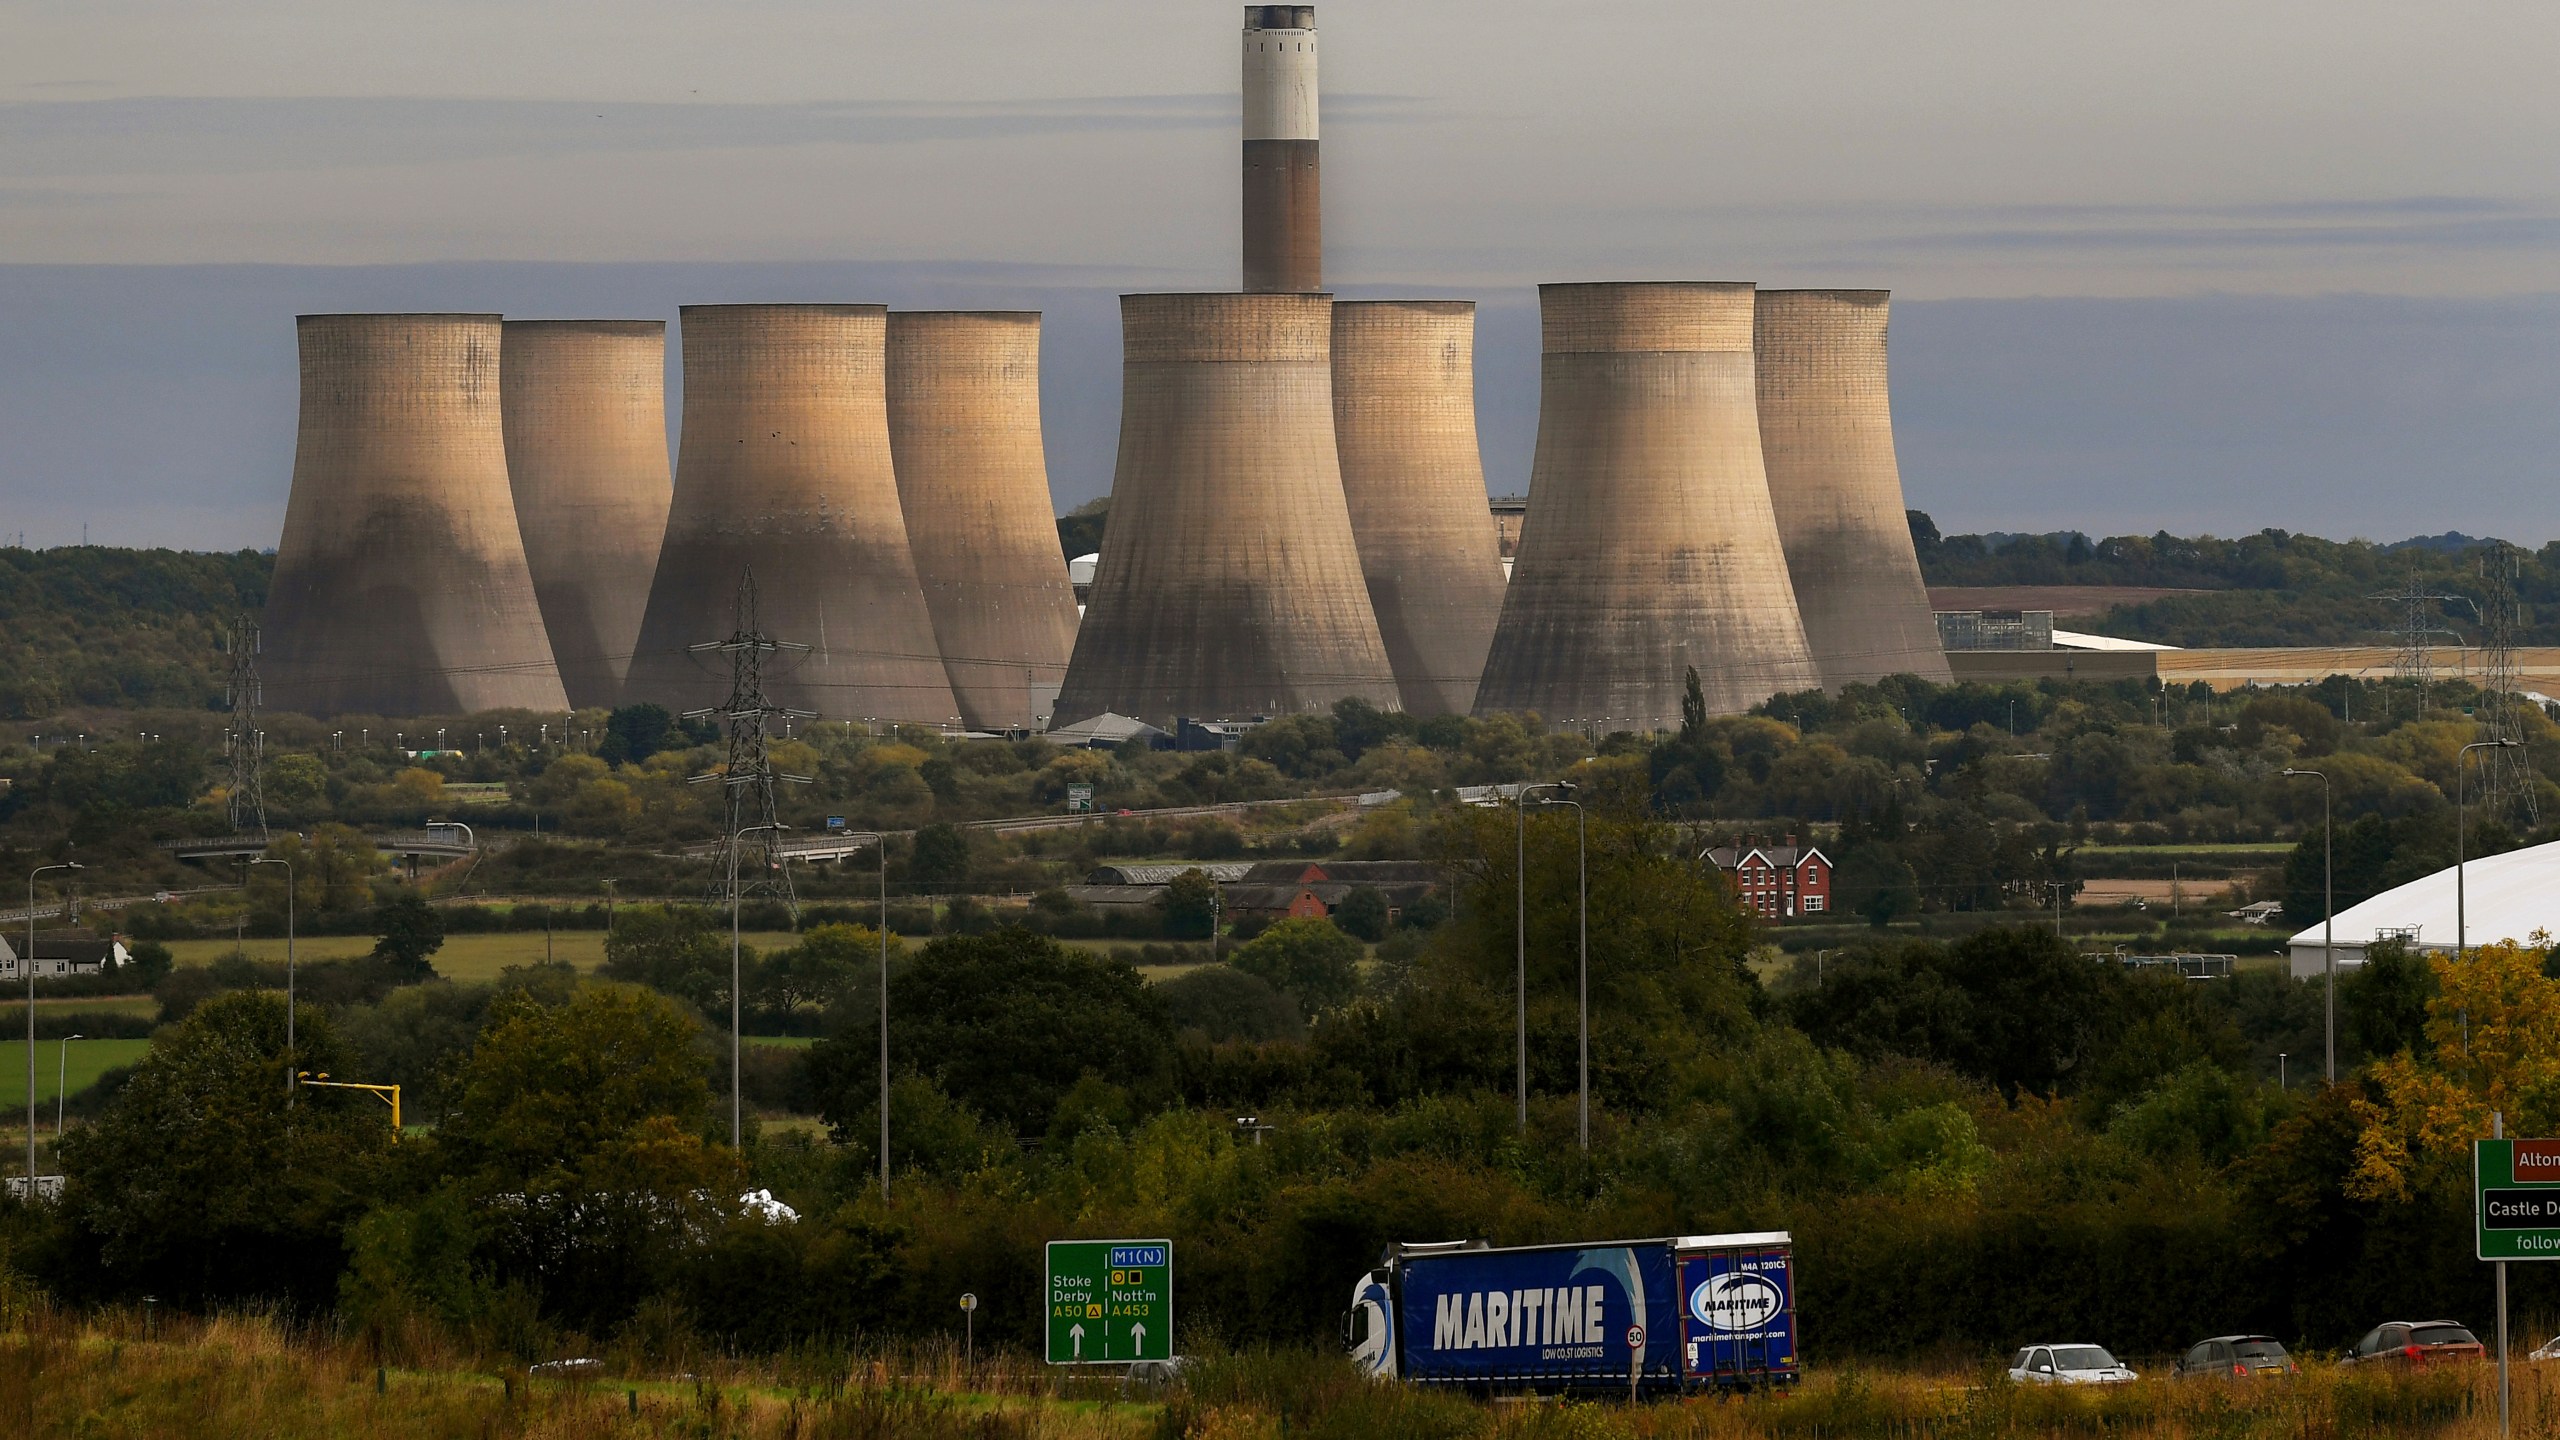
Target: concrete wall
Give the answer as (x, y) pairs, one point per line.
(1404, 419)
(964, 428)
(1826, 437)
(400, 585)
(586, 427)
(1229, 584)
(1650, 546)
(784, 465)
(1283, 183)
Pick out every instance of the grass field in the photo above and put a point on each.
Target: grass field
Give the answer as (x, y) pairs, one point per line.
(87, 1060)
(112, 1373)
(15, 1012)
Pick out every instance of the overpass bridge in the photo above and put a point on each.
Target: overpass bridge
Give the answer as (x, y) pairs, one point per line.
(442, 843)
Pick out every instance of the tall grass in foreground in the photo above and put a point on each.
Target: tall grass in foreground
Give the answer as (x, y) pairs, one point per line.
(121, 1373)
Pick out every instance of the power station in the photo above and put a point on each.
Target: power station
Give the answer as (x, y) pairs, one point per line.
(1298, 510)
(783, 469)
(1650, 547)
(585, 404)
(973, 482)
(1826, 435)
(1404, 423)
(400, 585)
(1229, 584)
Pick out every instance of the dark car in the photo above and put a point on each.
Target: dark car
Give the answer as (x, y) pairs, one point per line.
(2236, 1357)
(2416, 1343)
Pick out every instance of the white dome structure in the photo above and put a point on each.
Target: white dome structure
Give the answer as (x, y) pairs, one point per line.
(2501, 897)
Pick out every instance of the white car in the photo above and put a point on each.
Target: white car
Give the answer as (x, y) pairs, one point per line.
(2067, 1365)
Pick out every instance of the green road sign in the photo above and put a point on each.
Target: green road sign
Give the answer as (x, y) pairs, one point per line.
(1110, 1301)
(2515, 1188)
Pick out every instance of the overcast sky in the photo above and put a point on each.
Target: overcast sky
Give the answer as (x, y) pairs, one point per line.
(2334, 228)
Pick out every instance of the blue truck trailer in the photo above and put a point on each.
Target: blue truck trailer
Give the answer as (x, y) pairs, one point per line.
(1640, 1317)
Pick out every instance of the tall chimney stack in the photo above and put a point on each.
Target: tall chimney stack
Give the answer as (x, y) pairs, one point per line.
(1283, 197)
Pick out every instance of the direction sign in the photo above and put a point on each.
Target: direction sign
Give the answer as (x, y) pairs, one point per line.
(2516, 1198)
(1110, 1302)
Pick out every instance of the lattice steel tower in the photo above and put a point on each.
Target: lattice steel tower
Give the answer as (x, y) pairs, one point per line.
(2506, 776)
(750, 860)
(244, 744)
(2416, 658)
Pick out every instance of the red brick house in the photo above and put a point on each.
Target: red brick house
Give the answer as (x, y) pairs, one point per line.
(1776, 881)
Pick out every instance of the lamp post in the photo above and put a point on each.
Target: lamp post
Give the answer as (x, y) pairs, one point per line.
(288, 967)
(2328, 924)
(737, 1089)
(2462, 838)
(882, 842)
(61, 1087)
(1582, 984)
(1520, 937)
(28, 961)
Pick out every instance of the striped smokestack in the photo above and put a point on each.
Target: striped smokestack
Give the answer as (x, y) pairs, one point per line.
(964, 427)
(400, 586)
(1229, 584)
(586, 418)
(1650, 547)
(1826, 432)
(783, 466)
(1283, 198)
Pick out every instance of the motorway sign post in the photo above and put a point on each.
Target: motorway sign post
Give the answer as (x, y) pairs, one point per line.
(2515, 1212)
(1110, 1302)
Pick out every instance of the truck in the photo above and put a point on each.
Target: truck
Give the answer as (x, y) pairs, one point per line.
(1639, 1317)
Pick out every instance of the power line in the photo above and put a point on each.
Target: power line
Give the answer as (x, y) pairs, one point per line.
(750, 860)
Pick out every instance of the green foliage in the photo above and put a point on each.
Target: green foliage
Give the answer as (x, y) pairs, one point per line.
(411, 931)
(633, 733)
(2383, 1003)
(93, 626)
(1190, 905)
(1224, 1002)
(941, 855)
(1310, 961)
(1005, 1023)
(672, 949)
(1362, 914)
(204, 1179)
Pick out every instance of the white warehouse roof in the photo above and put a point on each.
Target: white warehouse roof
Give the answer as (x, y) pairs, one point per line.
(2506, 897)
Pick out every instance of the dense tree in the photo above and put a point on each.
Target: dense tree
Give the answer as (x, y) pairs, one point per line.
(672, 949)
(1311, 961)
(1224, 1002)
(1190, 905)
(940, 856)
(410, 933)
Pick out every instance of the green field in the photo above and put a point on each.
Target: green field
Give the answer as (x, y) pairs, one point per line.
(464, 957)
(88, 1059)
(15, 1013)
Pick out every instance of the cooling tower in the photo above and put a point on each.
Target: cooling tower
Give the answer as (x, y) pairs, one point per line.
(1283, 196)
(1229, 585)
(586, 420)
(964, 426)
(1650, 546)
(784, 467)
(1404, 423)
(1826, 435)
(400, 585)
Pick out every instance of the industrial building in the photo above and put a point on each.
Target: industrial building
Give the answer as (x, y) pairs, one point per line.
(1404, 420)
(585, 407)
(400, 585)
(1229, 584)
(1283, 193)
(1650, 547)
(2510, 897)
(1826, 439)
(973, 483)
(784, 468)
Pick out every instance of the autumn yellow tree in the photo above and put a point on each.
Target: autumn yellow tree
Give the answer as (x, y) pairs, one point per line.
(2494, 1027)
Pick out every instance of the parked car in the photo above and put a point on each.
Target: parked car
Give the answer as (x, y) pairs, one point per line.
(2416, 1343)
(2236, 1357)
(2067, 1365)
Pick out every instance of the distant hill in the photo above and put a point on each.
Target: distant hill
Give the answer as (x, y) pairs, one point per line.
(128, 629)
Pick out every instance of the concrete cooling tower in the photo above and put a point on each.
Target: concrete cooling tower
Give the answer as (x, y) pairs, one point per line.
(586, 423)
(400, 585)
(973, 481)
(1649, 546)
(1404, 422)
(1229, 585)
(1826, 435)
(784, 467)
(1283, 190)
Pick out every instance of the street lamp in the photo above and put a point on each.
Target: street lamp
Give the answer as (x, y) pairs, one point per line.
(1582, 907)
(61, 1087)
(288, 966)
(2328, 922)
(2462, 836)
(29, 961)
(737, 1091)
(1520, 810)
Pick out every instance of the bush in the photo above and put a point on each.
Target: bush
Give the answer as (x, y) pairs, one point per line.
(1226, 1003)
(1311, 961)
